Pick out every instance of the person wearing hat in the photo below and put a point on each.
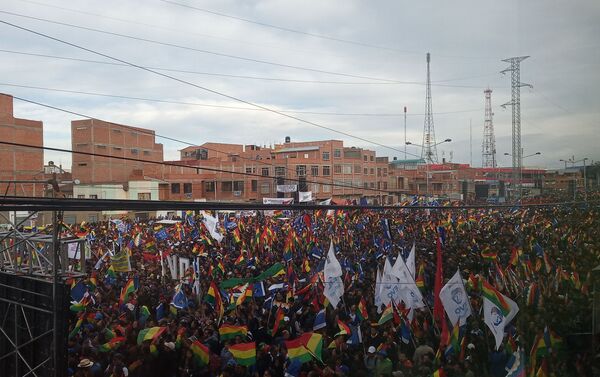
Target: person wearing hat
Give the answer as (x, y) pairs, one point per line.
(383, 365)
(84, 368)
(370, 361)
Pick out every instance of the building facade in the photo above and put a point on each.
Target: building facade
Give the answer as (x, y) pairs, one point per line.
(20, 163)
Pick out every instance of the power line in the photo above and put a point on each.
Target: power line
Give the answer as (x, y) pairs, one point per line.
(197, 168)
(188, 48)
(198, 86)
(72, 204)
(152, 133)
(321, 36)
(261, 78)
(222, 106)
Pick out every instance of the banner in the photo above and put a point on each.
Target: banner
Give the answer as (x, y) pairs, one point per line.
(120, 262)
(287, 188)
(304, 196)
(278, 200)
(455, 300)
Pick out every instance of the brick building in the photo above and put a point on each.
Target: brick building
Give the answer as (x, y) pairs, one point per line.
(20, 163)
(325, 168)
(111, 139)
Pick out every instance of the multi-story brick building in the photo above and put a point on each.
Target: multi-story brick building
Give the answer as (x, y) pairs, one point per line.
(20, 163)
(235, 172)
(111, 139)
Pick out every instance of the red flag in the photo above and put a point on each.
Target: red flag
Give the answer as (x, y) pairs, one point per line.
(438, 308)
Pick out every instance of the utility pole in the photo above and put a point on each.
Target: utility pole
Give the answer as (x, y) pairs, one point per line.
(470, 143)
(429, 150)
(488, 146)
(515, 102)
(405, 134)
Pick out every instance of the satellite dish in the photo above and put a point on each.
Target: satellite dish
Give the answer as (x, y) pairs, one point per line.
(76, 181)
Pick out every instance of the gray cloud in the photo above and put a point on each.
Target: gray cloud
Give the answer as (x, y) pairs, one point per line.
(467, 40)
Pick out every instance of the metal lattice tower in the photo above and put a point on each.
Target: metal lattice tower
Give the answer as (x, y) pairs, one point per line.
(515, 102)
(429, 150)
(488, 146)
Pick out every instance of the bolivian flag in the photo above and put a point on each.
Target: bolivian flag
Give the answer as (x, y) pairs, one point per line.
(230, 331)
(200, 352)
(387, 315)
(489, 292)
(128, 289)
(244, 353)
(297, 351)
(150, 334)
(112, 344)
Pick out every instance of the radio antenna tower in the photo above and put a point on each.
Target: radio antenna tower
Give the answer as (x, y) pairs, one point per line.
(515, 102)
(429, 149)
(488, 147)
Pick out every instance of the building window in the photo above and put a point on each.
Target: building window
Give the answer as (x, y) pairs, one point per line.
(305, 155)
(175, 188)
(146, 153)
(101, 146)
(248, 170)
(80, 196)
(265, 188)
(265, 172)
(337, 169)
(326, 156)
(379, 172)
(116, 131)
(315, 188)
(134, 151)
(347, 169)
(372, 184)
(365, 157)
(366, 171)
(144, 196)
(385, 172)
(337, 153)
(238, 186)
(301, 170)
(226, 186)
(187, 188)
(366, 185)
(279, 171)
(314, 170)
(326, 170)
(209, 186)
(81, 128)
(326, 188)
(385, 185)
(93, 196)
(372, 171)
(254, 185)
(117, 148)
(82, 164)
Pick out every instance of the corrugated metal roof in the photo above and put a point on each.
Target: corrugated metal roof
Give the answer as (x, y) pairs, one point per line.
(298, 149)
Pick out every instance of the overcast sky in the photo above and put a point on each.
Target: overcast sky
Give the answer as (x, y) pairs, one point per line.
(341, 57)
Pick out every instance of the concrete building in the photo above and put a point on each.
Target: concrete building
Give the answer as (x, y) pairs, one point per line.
(20, 163)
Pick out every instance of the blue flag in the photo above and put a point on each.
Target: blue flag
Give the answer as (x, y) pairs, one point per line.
(160, 311)
(78, 291)
(179, 301)
(259, 289)
(319, 320)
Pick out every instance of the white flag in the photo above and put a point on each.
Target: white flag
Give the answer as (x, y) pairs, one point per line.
(390, 289)
(410, 261)
(409, 292)
(495, 320)
(211, 224)
(334, 286)
(455, 300)
(378, 290)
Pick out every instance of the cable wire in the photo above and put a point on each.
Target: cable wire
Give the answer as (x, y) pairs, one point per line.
(200, 86)
(197, 168)
(225, 106)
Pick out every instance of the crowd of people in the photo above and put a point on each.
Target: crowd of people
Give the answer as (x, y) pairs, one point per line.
(253, 303)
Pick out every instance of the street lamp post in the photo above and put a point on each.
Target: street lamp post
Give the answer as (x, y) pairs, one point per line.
(573, 162)
(427, 164)
(520, 184)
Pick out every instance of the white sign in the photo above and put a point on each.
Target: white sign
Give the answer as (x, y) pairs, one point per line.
(278, 200)
(304, 196)
(287, 188)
